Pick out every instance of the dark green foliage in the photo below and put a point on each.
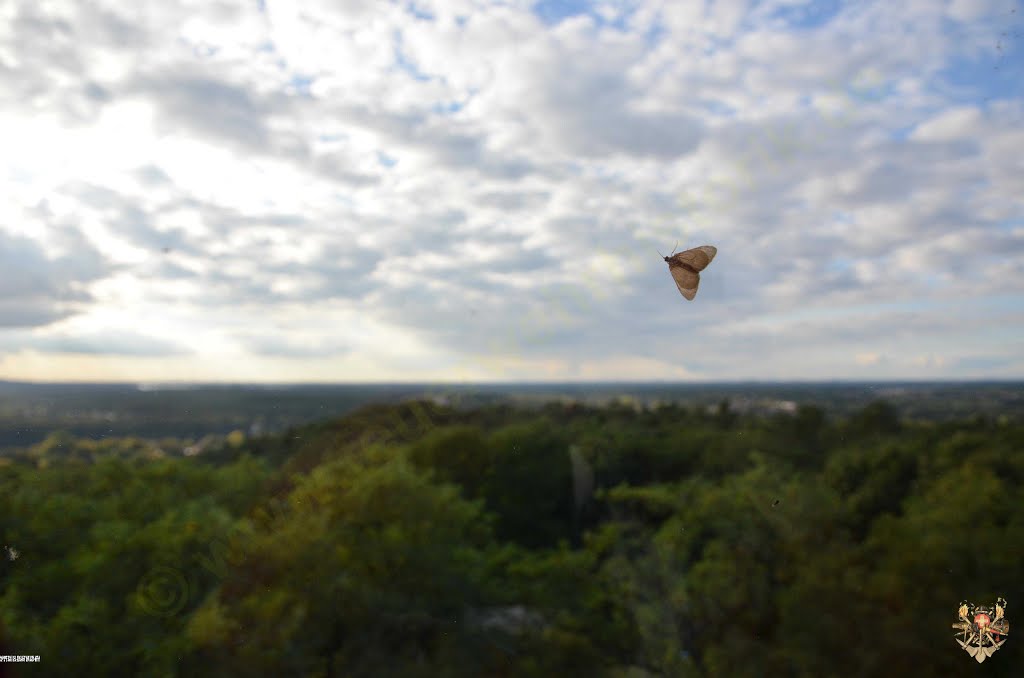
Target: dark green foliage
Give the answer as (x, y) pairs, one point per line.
(457, 454)
(529, 486)
(418, 540)
(874, 479)
(878, 418)
(87, 534)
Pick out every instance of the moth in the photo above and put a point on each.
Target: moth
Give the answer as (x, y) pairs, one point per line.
(685, 268)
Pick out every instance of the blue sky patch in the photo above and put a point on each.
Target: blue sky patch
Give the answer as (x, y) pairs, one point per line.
(447, 108)
(301, 84)
(418, 12)
(1001, 77)
(553, 12)
(403, 64)
(808, 16)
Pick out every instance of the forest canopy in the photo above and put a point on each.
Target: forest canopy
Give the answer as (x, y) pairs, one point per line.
(420, 540)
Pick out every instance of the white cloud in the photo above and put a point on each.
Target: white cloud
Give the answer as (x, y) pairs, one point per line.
(930, 361)
(869, 359)
(333, 190)
(950, 125)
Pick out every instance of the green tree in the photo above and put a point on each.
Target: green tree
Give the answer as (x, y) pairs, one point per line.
(530, 485)
(369, 573)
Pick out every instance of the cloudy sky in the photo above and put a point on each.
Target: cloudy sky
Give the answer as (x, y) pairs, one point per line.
(341, 190)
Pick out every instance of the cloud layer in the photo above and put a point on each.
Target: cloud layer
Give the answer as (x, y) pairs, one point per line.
(461, 189)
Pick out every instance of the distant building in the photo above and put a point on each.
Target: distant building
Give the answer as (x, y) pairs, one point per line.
(205, 443)
(513, 619)
(787, 406)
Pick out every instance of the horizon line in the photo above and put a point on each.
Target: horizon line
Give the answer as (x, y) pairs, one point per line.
(623, 382)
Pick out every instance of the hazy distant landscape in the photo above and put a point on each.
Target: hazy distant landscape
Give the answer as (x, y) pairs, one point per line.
(30, 411)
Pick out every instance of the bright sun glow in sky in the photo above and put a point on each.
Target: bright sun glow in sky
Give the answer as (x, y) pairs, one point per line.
(314, 190)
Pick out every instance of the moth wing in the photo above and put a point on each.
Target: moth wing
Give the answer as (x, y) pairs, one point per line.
(709, 250)
(698, 258)
(686, 281)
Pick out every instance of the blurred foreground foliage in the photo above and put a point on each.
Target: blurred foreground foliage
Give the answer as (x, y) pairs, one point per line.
(417, 540)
